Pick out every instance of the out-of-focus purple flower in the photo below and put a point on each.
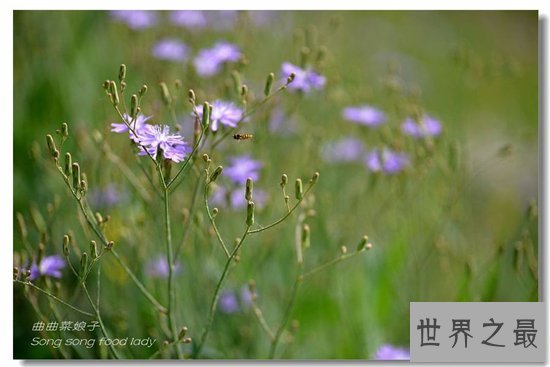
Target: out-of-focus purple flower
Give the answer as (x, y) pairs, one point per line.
(105, 197)
(280, 123)
(225, 113)
(365, 115)
(305, 79)
(222, 20)
(191, 19)
(344, 150)
(157, 137)
(170, 49)
(427, 126)
(386, 161)
(242, 167)
(209, 61)
(139, 126)
(228, 302)
(136, 19)
(50, 266)
(388, 352)
(246, 296)
(158, 267)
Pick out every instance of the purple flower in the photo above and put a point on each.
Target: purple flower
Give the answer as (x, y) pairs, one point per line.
(305, 79)
(50, 266)
(242, 167)
(225, 113)
(139, 126)
(191, 19)
(209, 61)
(228, 302)
(136, 19)
(344, 150)
(427, 126)
(364, 115)
(157, 137)
(246, 296)
(388, 352)
(158, 267)
(386, 161)
(281, 123)
(105, 197)
(235, 199)
(170, 49)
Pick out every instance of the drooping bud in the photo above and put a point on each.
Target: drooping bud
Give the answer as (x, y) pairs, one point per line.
(217, 172)
(249, 188)
(122, 72)
(215, 212)
(51, 146)
(363, 243)
(133, 106)
(284, 180)
(205, 114)
(165, 94)
(205, 158)
(299, 193)
(93, 249)
(114, 93)
(66, 243)
(68, 165)
(143, 90)
(191, 95)
(269, 84)
(314, 178)
(250, 213)
(76, 176)
(64, 130)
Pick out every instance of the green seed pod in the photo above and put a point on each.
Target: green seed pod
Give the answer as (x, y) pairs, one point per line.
(249, 189)
(269, 84)
(66, 243)
(284, 180)
(64, 130)
(114, 93)
(68, 165)
(76, 176)
(363, 243)
(250, 213)
(205, 114)
(217, 172)
(83, 264)
(122, 72)
(299, 193)
(93, 249)
(51, 145)
(236, 77)
(165, 94)
(133, 106)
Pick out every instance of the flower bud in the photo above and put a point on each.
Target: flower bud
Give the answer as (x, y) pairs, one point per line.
(290, 78)
(191, 95)
(51, 145)
(109, 245)
(66, 243)
(269, 84)
(314, 178)
(299, 189)
(133, 106)
(244, 90)
(250, 213)
(217, 172)
(344, 250)
(363, 243)
(205, 114)
(114, 93)
(122, 72)
(76, 176)
(83, 264)
(93, 249)
(64, 130)
(106, 84)
(68, 165)
(284, 180)
(143, 90)
(215, 212)
(249, 188)
(182, 333)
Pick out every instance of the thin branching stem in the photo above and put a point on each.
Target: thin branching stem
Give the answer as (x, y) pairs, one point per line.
(331, 262)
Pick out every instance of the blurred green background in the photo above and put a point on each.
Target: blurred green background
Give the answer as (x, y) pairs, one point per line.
(440, 233)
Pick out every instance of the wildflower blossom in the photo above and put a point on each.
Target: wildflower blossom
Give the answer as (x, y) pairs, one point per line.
(304, 80)
(170, 49)
(191, 19)
(225, 113)
(388, 352)
(158, 267)
(50, 266)
(386, 161)
(344, 150)
(427, 126)
(210, 61)
(242, 167)
(136, 19)
(364, 115)
(228, 302)
(139, 126)
(157, 137)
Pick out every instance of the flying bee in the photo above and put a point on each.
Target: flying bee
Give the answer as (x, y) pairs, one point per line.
(242, 136)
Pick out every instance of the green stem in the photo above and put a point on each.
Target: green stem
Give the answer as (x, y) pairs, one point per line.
(187, 223)
(288, 311)
(332, 262)
(213, 222)
(214, 303)
(263, 323)
(55, 298)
